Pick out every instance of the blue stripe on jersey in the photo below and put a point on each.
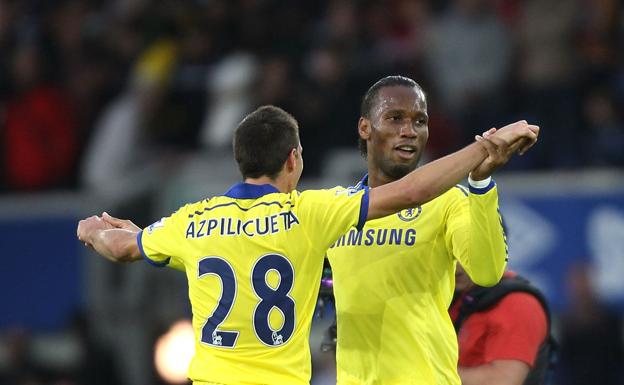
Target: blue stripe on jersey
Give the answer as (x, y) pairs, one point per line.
(244, 190)
(147, 259)
(504, 228)
(363, 210)
(237, 205)
(462, 189)
(481, 191)
(362, 183)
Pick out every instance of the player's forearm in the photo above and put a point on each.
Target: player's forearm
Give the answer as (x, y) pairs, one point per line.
(486, 254)
(117, 245)
(426, 182)
(499, 372)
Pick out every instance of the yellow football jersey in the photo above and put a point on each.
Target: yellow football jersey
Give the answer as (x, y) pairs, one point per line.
(253, 259)
(394, 281)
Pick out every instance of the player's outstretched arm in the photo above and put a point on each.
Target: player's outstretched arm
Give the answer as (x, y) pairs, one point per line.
(112, 242)
(431, 180)
(497, 372)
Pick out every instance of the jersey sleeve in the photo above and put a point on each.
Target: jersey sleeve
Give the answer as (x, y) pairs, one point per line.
(474, 233)
(518, 326)
(331, 213)
(160, 242)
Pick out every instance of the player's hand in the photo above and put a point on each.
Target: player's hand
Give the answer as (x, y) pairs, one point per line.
(88, 226)
(497, 156)
(502, 143)
(124, 224)
(519, 135)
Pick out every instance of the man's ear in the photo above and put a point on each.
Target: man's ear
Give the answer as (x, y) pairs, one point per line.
(364, 128)
(291, 161)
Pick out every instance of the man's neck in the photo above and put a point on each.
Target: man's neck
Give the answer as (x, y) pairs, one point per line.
(279, 183)
(376, 177)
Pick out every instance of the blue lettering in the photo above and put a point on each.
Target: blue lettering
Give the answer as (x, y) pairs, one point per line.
(222, 228)
(395, 236)
(229, 227)
(249, 222)
(273, 221)
(259, 229)
(410, 237)
(190, 230)
(212, 224)
(377, 236)
(381, 240)
(202, 224)
(355, 238)
(292, 220)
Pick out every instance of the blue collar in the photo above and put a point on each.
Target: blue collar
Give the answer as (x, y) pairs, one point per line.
(244, 190)
(362, 183)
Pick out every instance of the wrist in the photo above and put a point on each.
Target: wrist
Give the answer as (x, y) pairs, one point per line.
(479, 182)
(93, 236)
(482, 148)
(480, 187)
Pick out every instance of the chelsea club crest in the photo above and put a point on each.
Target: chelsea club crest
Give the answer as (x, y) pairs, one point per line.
(410, 214)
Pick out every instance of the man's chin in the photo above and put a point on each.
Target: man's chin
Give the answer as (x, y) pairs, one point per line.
(398, 171)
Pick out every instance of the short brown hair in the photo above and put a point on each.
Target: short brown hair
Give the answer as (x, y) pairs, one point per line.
(263, 140)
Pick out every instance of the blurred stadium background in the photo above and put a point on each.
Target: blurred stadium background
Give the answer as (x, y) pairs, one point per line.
(129, 105)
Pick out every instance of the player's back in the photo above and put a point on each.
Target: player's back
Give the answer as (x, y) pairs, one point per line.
(253, 260)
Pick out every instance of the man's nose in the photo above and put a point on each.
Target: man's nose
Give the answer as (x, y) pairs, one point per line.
(409, 130)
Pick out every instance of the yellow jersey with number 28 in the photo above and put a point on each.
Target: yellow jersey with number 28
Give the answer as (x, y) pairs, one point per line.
(253, 259)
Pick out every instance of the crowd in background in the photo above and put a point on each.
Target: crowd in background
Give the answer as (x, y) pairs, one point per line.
(90, 87)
